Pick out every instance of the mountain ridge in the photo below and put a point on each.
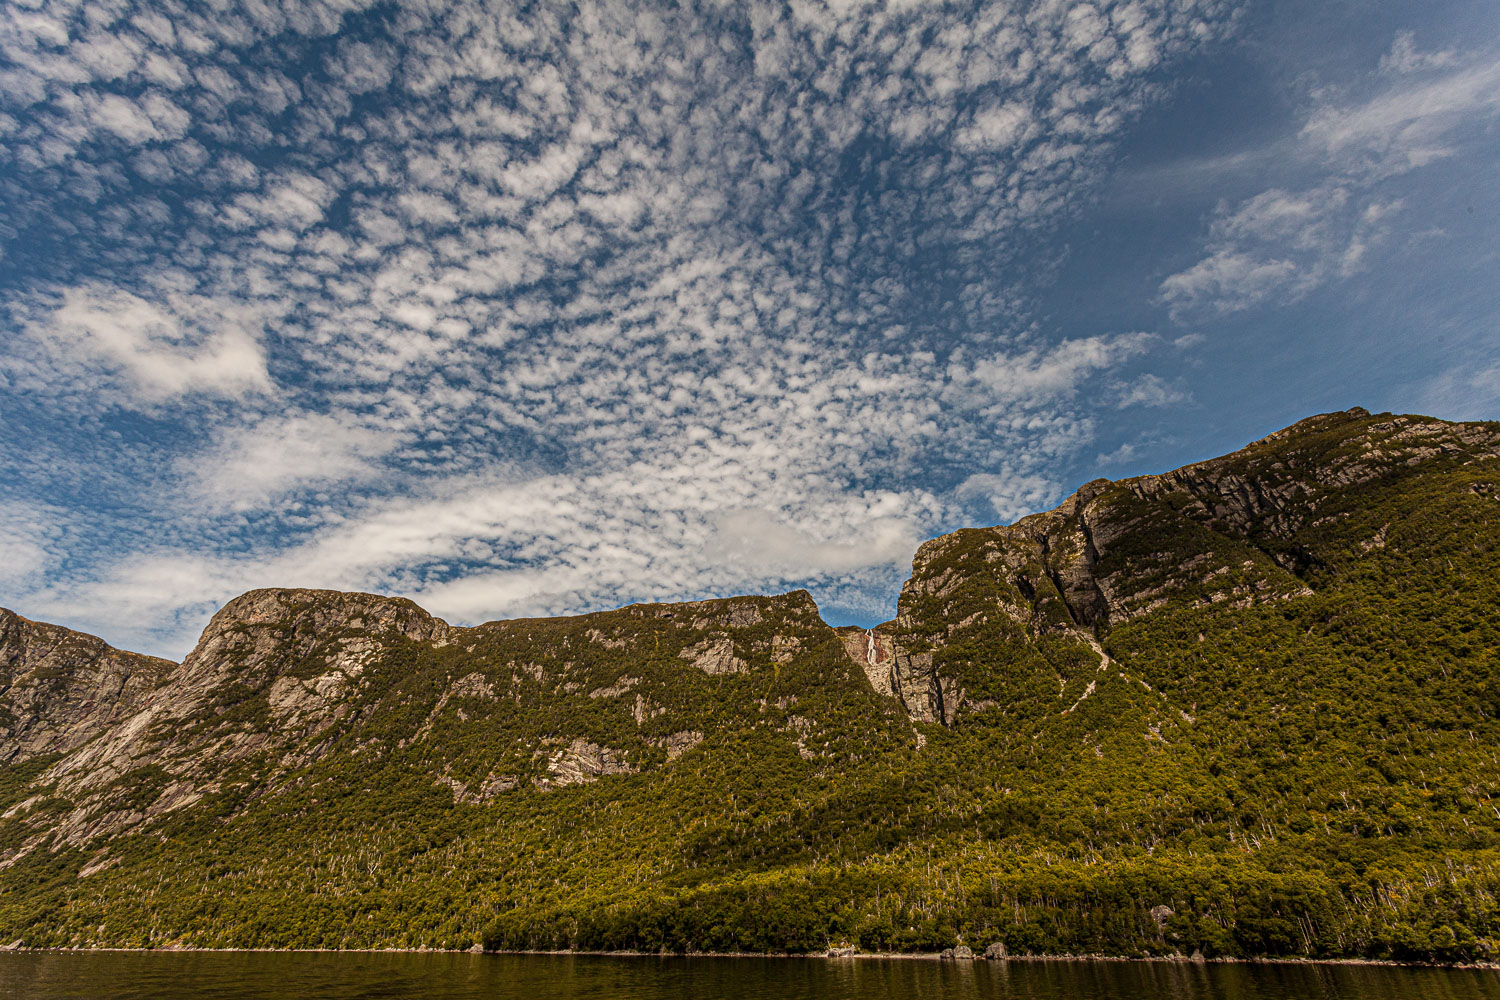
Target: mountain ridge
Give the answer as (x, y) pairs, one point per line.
(1141, 483)
(1170, 689)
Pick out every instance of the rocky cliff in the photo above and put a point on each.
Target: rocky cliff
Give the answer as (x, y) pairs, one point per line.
(1196, 693)
(60, 689)
(1246, 528)
(280, 679)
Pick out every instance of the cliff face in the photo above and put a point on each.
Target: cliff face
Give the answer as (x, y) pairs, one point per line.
(282, 679)
(1222, 530)
(303, 651)
(1193, 662)
(279, 676)
(895, 670)
(1251, 527)
(60, 688)
(120, 716)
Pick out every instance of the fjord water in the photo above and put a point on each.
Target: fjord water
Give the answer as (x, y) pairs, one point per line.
(350, 976)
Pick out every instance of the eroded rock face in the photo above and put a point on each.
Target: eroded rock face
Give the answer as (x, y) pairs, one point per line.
(677, 744)
(300, 651)
(481, 791)
(280, 679)
(294, 622)
(715, 655)
(873, 656)
(60, 688)
(1223, 530)
(1084, 558)
(894, 669)
(582, 761)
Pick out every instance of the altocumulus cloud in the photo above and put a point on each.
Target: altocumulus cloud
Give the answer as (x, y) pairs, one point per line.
(537, 310)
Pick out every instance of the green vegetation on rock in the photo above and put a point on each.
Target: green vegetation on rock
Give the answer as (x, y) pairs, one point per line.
(1244, 708)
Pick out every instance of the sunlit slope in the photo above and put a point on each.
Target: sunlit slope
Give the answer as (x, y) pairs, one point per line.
(1246, 707)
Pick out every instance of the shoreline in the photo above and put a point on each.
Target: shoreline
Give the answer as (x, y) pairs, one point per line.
(977, 959)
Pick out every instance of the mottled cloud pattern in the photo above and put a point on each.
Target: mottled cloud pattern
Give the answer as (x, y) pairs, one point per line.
(534, 310)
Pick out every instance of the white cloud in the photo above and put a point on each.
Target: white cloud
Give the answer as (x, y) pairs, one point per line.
(565, 312)
(1231, 279)
(124, 118)
(1037, 376)
(996, 127)
(253, 464)
(1465, 392)
(1011, 496)
(763, 544)
(177, 346)
(1280, 245)
(1405, 57)
(27, 537)
(1123, 455)
(1408, 125)
(1149, 390)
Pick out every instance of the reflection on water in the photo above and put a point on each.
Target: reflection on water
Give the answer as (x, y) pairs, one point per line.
(262, 976)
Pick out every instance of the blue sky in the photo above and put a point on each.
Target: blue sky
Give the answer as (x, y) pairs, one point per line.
(524, 310)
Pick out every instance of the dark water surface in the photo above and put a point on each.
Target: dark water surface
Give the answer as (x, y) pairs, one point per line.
(261, 976)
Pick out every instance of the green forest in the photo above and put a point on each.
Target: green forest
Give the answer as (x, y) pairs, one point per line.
(1269, 729)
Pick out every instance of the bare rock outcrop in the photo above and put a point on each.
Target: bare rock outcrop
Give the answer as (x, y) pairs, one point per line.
(1224, 530)
(60, 688)
(715, 655)
(294, 656)
(293, 622)
(896, 671)
(677, 744)
(1083, 565)
(582, 761)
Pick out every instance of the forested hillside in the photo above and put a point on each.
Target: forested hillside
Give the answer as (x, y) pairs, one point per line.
(1243, 708)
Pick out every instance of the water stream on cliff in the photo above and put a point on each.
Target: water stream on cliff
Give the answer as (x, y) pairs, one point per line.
(385, 976)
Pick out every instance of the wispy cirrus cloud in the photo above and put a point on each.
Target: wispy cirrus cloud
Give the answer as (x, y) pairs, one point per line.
(1284, 242)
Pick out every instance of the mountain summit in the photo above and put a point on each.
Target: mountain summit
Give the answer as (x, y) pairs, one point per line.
(1247, 707)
